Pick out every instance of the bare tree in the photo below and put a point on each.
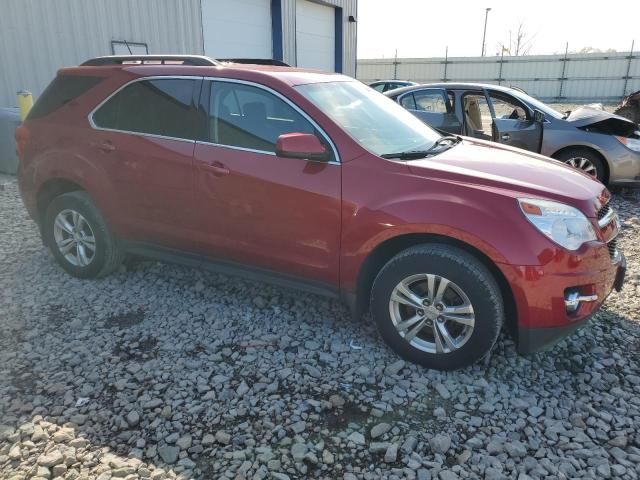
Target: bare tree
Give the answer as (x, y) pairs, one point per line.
(519, 44)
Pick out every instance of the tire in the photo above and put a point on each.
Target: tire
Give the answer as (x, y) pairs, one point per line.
(591, 162)
(466, 275)
(106, 255)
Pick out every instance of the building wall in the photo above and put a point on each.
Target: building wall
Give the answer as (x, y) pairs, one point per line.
(37, 37)
(349, 32)
(590, 77)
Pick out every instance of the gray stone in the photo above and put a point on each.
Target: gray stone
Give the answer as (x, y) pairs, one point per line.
(391, 454)
(380, 429)
(169, 453)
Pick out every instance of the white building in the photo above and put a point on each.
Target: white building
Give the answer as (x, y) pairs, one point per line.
(39, 36)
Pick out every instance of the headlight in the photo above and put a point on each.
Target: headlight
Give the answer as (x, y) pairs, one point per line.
(565, 225)
(630, 143)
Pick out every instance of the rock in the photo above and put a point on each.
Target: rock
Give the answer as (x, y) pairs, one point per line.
(378, 447)
(133, 418)
(223, 437)
(440, 443)
(336, 401)
(184, 442)
(208, 439)
(391, 454)
(380, 429)
(327, 457)
(535, 411)
(51, 459)
(394, 368)
(299, 427)
(409, 445)
(443, 391)
(6, 431)
(169, 454)
(39, 434)
(298, 451)
(64, 435)
(515, 449)
(14, 453)
(357, 438)
(280, 476)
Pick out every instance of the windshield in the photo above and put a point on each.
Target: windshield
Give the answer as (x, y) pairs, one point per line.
(376, 122)
(537, 104)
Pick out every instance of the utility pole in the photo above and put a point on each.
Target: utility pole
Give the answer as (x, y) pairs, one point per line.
(484, 35)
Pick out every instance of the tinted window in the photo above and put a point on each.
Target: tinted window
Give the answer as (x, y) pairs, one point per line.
(251, 117)
(430, 101)
(159, 107)
(379, 87)
(62, 90)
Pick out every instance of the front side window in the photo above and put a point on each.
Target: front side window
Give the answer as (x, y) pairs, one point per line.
(376, 122)
(250, 117)
(507, 108)
(156, 107)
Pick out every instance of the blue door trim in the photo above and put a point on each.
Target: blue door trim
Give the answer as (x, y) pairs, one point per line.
(339, 40)
(276, 29)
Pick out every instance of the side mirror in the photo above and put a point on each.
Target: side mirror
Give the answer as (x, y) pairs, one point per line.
(538, 116)
(301, 145)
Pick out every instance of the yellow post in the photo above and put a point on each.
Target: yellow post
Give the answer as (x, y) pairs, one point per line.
(25, 102)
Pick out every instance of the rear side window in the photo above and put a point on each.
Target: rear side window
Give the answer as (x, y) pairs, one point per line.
(249, 117)
(60, 91)
(158, 107)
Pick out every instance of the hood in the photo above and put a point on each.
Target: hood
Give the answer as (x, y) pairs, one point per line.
(515, 172)
(596, 120)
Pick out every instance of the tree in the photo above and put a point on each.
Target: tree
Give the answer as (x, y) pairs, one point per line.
(519, 44)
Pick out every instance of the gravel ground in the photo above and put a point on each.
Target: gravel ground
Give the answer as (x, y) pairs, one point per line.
(165, 372)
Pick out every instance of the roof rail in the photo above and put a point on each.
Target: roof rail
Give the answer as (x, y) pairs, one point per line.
(193, 60)
(255, 61)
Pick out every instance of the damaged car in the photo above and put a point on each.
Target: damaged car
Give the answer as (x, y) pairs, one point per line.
(603, 145)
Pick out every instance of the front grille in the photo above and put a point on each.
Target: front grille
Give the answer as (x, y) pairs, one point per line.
(613, 248)
(603, 211)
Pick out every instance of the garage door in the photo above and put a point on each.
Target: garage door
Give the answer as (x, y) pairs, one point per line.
(241, 28)
(315, 35)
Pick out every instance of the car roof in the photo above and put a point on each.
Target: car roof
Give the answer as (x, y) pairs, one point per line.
(289, 75)
(452, 85)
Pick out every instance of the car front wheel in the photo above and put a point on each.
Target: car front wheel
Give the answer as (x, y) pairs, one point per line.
(437, 306)
(79, 236)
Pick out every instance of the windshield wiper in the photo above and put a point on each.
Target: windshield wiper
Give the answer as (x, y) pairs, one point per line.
(440, 145)
(408, 155)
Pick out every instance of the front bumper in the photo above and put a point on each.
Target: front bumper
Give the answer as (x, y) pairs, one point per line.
(539, 294)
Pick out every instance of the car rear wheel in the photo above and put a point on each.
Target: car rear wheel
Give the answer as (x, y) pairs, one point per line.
(79, 237)
(437, 306)
(585, 160)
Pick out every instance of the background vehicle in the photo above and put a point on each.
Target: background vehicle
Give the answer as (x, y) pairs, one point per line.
(317, 182)
(603, 145)
(386, 85)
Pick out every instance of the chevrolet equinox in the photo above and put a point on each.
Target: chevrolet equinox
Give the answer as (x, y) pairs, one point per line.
(313, 180)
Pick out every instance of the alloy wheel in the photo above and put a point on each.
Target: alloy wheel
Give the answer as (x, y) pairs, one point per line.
(583, 164)
(432, 313)
(74, 238)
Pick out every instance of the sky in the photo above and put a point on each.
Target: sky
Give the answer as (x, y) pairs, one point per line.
(422, 28)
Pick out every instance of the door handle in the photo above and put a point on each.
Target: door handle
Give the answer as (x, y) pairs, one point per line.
(217, 169)
(105, 146)
(506, 136)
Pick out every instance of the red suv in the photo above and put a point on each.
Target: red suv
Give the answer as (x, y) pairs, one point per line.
(316, 181)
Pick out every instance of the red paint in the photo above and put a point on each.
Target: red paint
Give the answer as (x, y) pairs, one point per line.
(318, 221)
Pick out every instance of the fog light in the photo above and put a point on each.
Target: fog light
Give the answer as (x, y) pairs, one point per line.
(573, 299)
